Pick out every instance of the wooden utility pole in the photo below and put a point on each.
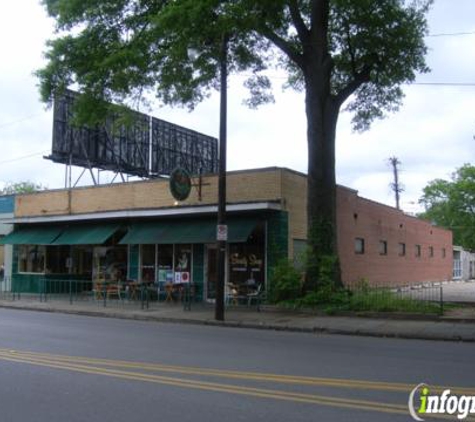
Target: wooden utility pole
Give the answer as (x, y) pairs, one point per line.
(396, 185)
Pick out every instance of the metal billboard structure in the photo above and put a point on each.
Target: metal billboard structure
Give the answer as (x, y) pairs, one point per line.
(146, 147)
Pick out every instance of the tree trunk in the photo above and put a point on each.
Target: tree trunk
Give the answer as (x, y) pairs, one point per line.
(322, 114)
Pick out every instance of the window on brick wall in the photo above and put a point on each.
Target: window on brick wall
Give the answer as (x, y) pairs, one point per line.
(444, 253)
(359, 245)
(431, 251)
(402, 249)
(383, 247)
(418, 251)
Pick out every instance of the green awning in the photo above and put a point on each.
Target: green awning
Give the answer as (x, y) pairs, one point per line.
(86, 234)
(197, 231)
(32, 236)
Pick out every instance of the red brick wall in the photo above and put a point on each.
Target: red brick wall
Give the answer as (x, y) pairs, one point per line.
(371, 221)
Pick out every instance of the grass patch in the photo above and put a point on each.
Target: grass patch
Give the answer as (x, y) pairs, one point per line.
(366, 300)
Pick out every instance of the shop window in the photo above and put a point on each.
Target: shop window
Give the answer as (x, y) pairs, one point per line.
(31, 259)
(69, 260)
(110, 263)
(383, 247)
(359, 245)
(402, 249)
(165, 263)
(57, 259)
(418, 251)
(247, 263)
(148, 263)
(182, 263)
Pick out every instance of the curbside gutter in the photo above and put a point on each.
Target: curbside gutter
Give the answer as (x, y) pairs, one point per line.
(459, 330)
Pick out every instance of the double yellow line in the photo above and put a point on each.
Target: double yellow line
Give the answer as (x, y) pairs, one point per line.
(129, 371)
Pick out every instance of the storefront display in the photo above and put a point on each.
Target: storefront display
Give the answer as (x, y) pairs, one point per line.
(110, 263)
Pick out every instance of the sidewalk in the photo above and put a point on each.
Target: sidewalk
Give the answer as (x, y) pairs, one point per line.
(448, 329)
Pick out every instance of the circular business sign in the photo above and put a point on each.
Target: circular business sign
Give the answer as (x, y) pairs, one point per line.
(180, 184)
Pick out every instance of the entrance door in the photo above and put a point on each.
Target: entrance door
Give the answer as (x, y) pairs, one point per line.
(211, 272)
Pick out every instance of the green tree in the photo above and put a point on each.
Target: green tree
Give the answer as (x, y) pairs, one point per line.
(353, 52)
(11, 188)
(451, 204)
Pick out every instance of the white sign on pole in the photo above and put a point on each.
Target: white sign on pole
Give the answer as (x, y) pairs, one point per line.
(222, 232)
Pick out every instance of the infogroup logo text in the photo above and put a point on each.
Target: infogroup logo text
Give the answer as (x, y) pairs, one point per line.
(422, 403)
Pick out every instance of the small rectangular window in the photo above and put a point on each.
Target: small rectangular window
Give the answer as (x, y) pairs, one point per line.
(418, 251)
(402, 249)
(443, 253)
(431, 251)
(383, 247)
(359, 245)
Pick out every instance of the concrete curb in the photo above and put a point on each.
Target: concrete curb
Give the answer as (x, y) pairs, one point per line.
(317, 329)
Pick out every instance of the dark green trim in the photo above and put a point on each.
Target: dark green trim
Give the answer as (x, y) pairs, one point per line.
(277, 238)
(198, 270)
(133, 267)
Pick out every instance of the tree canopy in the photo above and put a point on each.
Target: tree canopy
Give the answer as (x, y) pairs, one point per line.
(11, 188)
(451, 204)
(352, 52)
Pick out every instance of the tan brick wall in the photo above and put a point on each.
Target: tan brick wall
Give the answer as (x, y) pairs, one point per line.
(373, 221)
(241, 187)
(294, 189)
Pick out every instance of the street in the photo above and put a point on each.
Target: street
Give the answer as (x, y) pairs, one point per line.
(56, 367)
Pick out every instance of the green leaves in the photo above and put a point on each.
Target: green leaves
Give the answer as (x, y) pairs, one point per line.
(114, 49)
(21, 187)
(451, 204)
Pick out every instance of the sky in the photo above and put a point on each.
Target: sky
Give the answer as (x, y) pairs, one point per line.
(432, 134)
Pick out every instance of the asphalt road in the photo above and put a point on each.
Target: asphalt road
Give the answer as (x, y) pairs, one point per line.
(58, 368)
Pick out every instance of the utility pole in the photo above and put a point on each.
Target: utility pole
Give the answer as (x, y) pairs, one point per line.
(396, 185)
(222, 231)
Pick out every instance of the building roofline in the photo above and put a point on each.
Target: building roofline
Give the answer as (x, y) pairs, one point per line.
(144, 213)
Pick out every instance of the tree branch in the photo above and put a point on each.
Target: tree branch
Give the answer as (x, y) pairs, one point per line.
(302, 30)
(284, 45)
(359, 79)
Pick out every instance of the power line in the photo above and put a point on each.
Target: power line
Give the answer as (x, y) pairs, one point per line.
(451, 34)
(19, 121)
(444, 83)
(23, 157)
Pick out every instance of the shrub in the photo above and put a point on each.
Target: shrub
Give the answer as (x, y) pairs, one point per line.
(285, 282)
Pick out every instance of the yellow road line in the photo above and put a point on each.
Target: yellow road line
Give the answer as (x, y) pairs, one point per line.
(301, 380)
(254, 392)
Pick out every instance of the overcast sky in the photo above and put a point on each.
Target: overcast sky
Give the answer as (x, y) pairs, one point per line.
(432, 134)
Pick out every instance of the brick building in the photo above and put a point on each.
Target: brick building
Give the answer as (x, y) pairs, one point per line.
(136, 231)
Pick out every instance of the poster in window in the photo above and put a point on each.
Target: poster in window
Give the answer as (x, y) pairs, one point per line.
(162, 276)
(169, 276)
(182, 259)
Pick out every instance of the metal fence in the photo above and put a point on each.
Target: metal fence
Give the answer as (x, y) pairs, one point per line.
(425, 298)
(138, 295)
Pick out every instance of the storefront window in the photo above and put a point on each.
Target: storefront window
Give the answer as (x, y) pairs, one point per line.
(57, 259)
(165, 263)
(31, 259)
(148, 263)
(247, 262)
(182, 263)
(110, 263)
(82, 261)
